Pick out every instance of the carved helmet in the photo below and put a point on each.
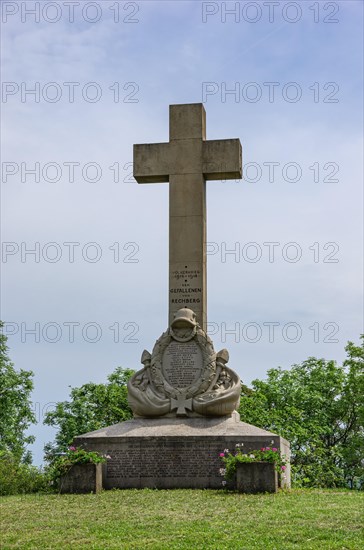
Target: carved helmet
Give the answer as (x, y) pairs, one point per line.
(184, 317)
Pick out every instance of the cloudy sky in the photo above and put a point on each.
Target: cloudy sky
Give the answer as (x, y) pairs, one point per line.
(85, 248)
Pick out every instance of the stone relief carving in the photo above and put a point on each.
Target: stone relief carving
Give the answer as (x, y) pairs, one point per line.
(184, 376)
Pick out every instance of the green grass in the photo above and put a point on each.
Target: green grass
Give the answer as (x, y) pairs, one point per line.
(189, 519)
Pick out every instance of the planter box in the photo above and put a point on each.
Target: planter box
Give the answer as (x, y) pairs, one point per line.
(256, 477)
(82, 478)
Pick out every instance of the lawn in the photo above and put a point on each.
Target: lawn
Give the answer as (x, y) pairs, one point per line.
(189, 519)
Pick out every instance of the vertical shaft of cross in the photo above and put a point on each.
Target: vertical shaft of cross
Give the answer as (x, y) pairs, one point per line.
(187, 245)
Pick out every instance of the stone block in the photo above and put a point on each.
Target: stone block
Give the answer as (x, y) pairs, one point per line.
(256, 477)
(187, 121)
(151, 162)
(187, 195)
(186, 156)
(186, 229)
(222, 159)
(166, 453)
(82, 478)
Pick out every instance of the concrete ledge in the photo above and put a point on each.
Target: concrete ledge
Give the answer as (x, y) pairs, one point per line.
(184, 427)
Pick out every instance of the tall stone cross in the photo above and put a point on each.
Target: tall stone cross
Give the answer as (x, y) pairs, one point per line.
(186, 162)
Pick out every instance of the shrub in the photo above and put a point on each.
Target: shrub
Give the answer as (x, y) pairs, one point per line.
(17, 477)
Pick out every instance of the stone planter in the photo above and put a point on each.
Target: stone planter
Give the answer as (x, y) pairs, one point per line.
(82, 478)
(256, 477)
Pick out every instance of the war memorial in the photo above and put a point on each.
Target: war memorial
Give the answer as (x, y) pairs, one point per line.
(185, 396)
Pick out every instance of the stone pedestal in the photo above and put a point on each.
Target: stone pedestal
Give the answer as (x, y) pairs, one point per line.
(82, 478)
(168, 453)
(256, 477)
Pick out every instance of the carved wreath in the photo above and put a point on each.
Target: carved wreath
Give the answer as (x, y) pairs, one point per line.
(208, 369)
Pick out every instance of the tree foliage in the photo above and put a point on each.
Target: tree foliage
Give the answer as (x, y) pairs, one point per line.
(18, 477)
(91, 407)
(16, 413)
(318, 407)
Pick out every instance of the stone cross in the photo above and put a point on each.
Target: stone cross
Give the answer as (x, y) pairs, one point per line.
(181, 404)
(186, 162)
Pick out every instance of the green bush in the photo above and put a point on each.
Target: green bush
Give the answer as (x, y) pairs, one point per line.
(17, 477)
(318, 407)
(265, 454)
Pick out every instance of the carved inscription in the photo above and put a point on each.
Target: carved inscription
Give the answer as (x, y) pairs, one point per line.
(185, 287)
(182, 363)
(158, 459)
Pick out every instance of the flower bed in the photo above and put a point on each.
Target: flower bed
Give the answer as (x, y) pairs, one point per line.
(265, 455)
(78, 470)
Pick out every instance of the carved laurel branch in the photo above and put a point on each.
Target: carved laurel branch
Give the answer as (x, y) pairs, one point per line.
(208, 371)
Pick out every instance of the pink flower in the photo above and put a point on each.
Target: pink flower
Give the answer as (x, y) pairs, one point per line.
(72, 448)
(267, 449)
(274, 449)
(263, 449)
(222, 454)
(283, 468)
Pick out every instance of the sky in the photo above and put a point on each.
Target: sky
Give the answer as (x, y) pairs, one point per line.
(85, 248)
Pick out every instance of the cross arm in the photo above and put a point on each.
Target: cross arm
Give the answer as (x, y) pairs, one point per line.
(151, 162)
(222, 159)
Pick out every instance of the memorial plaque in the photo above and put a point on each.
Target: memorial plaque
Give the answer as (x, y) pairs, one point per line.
(182, 364)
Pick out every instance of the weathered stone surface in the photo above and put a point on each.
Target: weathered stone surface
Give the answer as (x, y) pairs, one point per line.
(183, 376)
(187, 230)
(256, 477)
(151, 162)
(165, 427)
(187, 121)
(222, 159)
(82, 478)
(172, 453)
(186, 161)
